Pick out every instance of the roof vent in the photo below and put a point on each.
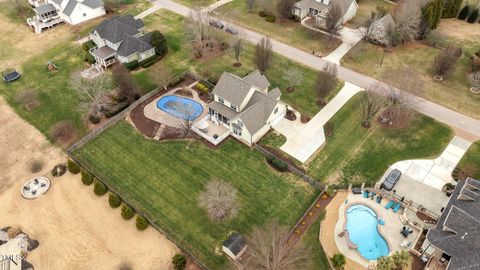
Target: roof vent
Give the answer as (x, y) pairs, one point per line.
(463, 236)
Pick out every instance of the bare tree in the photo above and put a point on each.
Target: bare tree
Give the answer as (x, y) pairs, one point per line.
(404, 84)
(294, 77)
(263, 54)
(94, 93)
(444, 62)
(366, 28)
(127, 89)
(333, 20)
(197, 25)
(284, 8)
(250, 5)
(219, 199)
(371, 103)
(270, 249)
(164, 77)
(237, 48)
(326, 81)
(407, 16)
(188, 115)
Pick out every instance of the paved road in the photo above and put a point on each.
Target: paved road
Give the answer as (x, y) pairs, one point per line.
(464, 125)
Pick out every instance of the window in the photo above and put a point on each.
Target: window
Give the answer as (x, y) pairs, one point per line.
(221, 100)
(233, 107)
(276, 110)
(237, 132)
(240, 123)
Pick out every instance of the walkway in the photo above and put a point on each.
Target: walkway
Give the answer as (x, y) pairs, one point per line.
(435, 172)
(217, 5)
(458, 121)
(350, 38)
(304, 140)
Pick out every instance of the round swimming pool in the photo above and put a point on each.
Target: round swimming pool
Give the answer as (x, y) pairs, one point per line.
(362, 229)
(180, 107)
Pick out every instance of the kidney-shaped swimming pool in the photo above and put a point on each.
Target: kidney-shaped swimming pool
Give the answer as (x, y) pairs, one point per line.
(180, 107)
(362, 229)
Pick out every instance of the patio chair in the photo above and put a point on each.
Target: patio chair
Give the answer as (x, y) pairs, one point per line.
(372, 194)
(396, 207)
(379, 199)
(365, 194)
(389, 204)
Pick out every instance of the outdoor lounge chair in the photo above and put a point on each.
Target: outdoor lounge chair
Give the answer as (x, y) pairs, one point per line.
(372, 195)
(365, 194)
(389, 204)
(396, 207)
(379, 199)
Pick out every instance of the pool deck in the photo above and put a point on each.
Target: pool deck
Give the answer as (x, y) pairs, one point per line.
(152, 112)
(390, 231)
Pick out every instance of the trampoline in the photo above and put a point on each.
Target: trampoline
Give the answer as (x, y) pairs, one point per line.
(10, 76)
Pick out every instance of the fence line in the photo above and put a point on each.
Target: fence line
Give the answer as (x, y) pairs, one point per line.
(138, 212)
(292, 168)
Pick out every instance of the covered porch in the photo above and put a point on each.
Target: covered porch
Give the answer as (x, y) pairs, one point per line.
(104, 56)
(46, 17)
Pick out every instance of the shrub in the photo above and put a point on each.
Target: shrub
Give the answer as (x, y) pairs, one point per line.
(432, 12)
(159, 43)
(179, 262)
(270, 18)
(338, 260)
(93, 119)
(464, 13)
(86, 46)
(141, 223)
(114, 200)
(149, 61)
(473, 16)
(99, 188)
(176, 81)
(262, 13)
(89, 58)
(444, 61)
(329, 129)
(73, 167)
(36, 166)
(114, 110)
(278, 164)
(132, 65)
(450, 8)
(63, 131)
(475, 63)
(87, 178)
(127, 212)
(202, 87)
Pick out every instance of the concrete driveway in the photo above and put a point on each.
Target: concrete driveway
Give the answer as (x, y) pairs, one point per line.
(350, 38)
(304, 139)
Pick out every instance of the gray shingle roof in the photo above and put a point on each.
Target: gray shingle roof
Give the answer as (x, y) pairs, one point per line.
(44, 9)
(131, 45)
(115, 29)
(457, 232)
(93, 3)
(232, 88)
(59, 2)
(257, 111)
(104, 52)
(69, 7)
(235, 243)
(257, 79)
(320, 6)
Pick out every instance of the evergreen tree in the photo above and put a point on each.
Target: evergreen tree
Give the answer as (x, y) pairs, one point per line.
(464, 13)
(432, 12)
(451, 8)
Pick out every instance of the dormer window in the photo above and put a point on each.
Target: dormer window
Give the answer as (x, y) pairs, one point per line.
(221, 100)
(233, 107)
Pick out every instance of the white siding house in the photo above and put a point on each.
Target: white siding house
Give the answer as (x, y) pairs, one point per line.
(318, 9)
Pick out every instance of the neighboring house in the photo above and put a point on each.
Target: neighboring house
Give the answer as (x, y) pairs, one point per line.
(244, 106)
(378, 30)
(121, 39)
(454, 243)
(234, 246)
(52, 12)
(318, 9)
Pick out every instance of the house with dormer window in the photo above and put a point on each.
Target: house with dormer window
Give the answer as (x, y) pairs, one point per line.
(244, 107)
(318, 9)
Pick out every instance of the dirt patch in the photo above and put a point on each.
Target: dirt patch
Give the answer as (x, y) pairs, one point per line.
(387, 120)
(184, 92)
(212, 49)
(76, 229)
(459, 29)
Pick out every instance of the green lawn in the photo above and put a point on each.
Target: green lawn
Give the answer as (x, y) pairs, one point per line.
(365, 9)
(195, 3)
(453, 92)
(180, 58)
(289, 32)
(273, 139)
(163, 180)
(356, 154)
(310, 239)
(470, 162)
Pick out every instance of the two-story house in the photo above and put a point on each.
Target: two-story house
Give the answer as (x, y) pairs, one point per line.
(318, 9)
(378, 30)
(121, 39)
(245, 106)
(52, 12)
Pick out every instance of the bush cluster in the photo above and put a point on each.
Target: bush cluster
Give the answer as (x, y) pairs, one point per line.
(159, 43)
(127, 212)
(114, 200)
(133, 65)
(99, 188)
(149, 61)
(271, 18)
(73, 167)
(89, 58)
(87, 178)
(86, 46)
(464, 13)
(94, 119)
(141, 223)
(200, 86)
(278, 164)
(179, 262)
(473, 16)
(262, 13)
(115, 109)
(451, 8)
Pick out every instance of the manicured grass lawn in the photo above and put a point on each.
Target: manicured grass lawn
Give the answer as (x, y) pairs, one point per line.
(365, 9)
(163, 180)
(356, 154)
(310, 239)
(453, 92)
(195, 3)
(289, 32)
(470, 162)
(180, 59)
(273, 139)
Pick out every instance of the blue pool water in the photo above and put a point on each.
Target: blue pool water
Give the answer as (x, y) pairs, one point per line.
(180, 107)
(362, 230)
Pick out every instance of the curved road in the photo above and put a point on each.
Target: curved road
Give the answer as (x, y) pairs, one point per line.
(463, 125)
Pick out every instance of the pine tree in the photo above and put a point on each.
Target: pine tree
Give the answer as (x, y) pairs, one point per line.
(464, 13)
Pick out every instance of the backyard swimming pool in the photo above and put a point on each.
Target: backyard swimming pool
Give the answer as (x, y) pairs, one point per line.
(180, 107)
(362, 229)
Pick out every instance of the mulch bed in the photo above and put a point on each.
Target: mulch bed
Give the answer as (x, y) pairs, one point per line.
(290, 115)
(385, 119)
(147, 126)
(290, 89)
(310, 218)
(304, 119)
(184, 92)
(213, 50)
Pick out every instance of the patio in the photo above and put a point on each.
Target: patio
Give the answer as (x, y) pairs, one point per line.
(212, 131)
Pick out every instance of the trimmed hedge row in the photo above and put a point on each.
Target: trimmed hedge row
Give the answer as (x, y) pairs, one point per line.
(277, 164)
(87, 178)
(141, 223)
(127, 212)
(99, 188)
(114, 200)
(200, 86)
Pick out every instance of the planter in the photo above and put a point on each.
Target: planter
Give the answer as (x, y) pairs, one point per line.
(237, 64)
(437, 77)
(475, 90)
(290, 89)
